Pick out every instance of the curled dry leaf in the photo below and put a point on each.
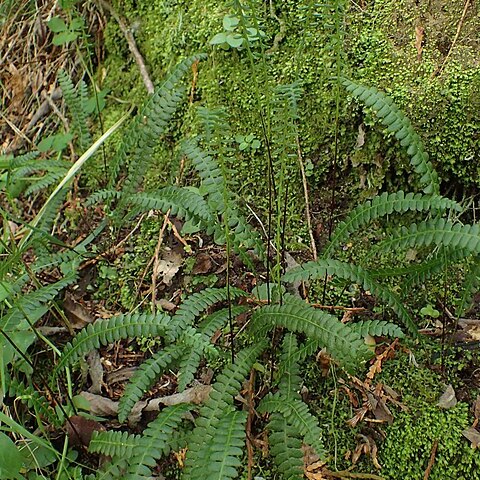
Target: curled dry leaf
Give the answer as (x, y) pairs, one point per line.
(473, 435)
(80, 430)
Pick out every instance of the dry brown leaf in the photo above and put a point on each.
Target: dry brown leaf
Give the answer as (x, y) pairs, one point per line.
(203, 264)
(80, 430)
(448, 398)
(78, 315)
(168, 266)
(377, 365)
(95, 371)
(473, 435)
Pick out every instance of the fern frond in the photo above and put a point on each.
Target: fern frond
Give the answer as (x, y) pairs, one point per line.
(397, 123)
(438, 232)
(286, 448)
(289, 381)
(155, 442)
(470, 287)
(219, 403)
(33, 399)
(75, 98)
(31, 306)
(181, 202)
(376, 328)
(298, 355)
(223, 202)
(419, 274)
(144, 377)
(200, 342)
(151, 122)
(198, 302)
(43, 182)
(382, 205)
(113, 444)
(227, 447)
(343, 344)
(297, 414)
(320, 268)
(103, 332)
(102, 196)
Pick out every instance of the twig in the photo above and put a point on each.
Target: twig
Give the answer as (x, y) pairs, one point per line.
(307, 200)
(431, 461)
(348, 474)
(156, 262)
(132, 45)
(459, 28)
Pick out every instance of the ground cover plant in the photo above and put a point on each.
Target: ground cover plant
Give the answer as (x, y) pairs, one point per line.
(254, 337)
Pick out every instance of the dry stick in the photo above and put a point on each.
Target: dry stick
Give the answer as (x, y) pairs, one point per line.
(156, 262)
(348, 474)
(431, 461)
(307, 200)
(459, 28)
(132, 45)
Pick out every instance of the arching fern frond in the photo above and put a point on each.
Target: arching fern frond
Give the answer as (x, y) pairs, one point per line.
(103, 332)
(113, 444)
(382, 205)
(376, 328)
(198, 302)
(181, 202)
(438, 232)
(354, 273)
(343, 344)
(151, 122)
(144, 377)
(397, 123)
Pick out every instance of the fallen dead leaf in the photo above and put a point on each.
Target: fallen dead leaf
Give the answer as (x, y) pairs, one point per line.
(76, 313)
(80, 430)
(473, 435)
(95, 371)
(448, 398)
(168, 266)
(203, 264)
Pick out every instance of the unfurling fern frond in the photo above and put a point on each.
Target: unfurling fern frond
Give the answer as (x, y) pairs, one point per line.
(386, 204)
(144, 377)
(320, 268)
(144, 132)
(219, 404)
(76, 99)
(397, 123)
(113, 444)
(103, 332)
(438, 232)
(227, 447)
(376, 328)
(343, 344)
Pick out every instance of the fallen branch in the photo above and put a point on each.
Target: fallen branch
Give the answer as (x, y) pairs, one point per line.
(132, 45)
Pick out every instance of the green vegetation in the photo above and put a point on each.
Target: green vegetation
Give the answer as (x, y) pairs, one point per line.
(275, 104)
